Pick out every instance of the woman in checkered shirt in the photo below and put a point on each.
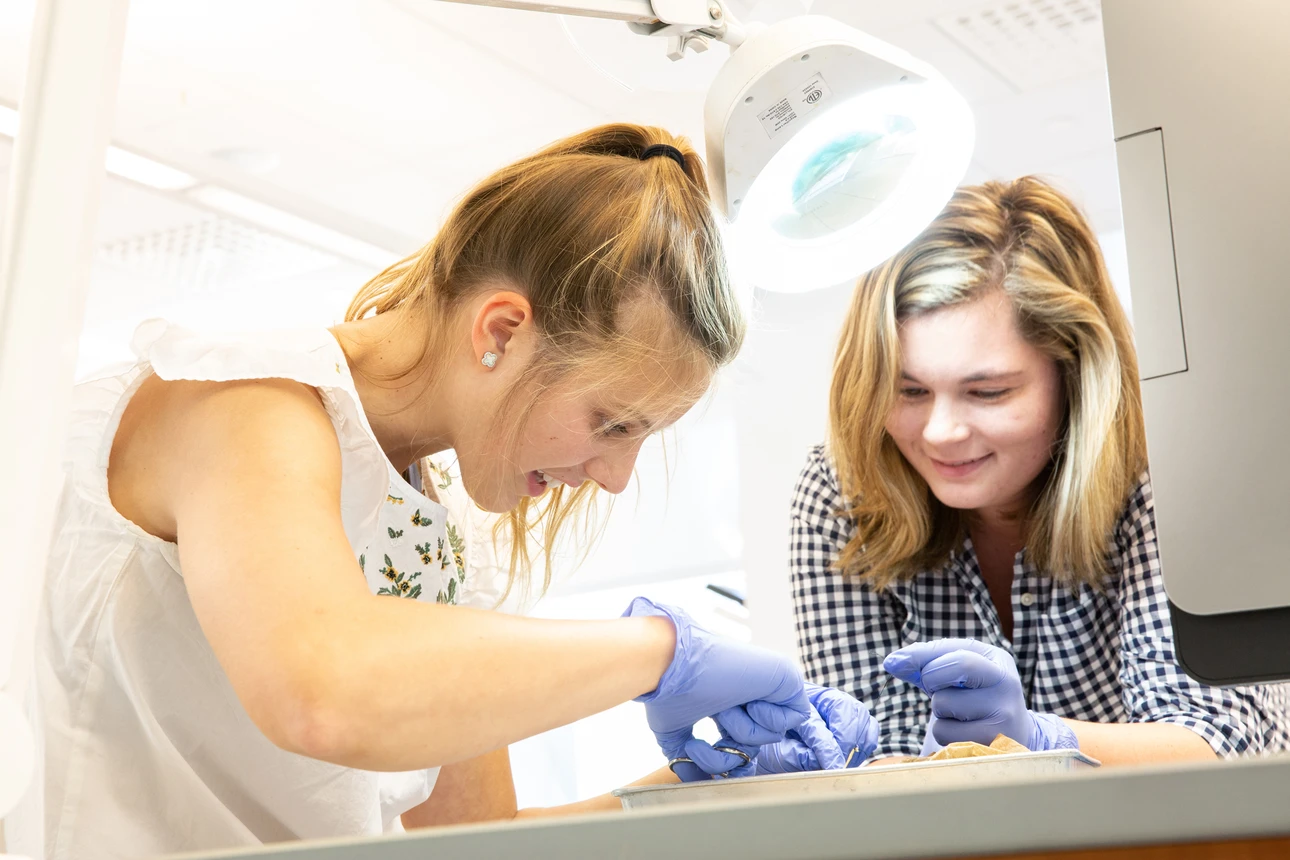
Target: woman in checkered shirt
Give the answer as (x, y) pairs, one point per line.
(985, 482)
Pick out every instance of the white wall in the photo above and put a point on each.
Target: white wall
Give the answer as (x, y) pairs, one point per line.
(781, 392)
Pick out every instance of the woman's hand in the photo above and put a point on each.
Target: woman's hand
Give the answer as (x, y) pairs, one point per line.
(754, 695)
(976, 695)
(841, 733)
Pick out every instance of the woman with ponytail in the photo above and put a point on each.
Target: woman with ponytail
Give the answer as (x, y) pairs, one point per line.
(257, 629)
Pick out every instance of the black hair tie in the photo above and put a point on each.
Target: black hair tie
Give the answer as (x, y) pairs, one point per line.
(665, 149)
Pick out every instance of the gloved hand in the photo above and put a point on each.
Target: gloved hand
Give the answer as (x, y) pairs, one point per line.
(976, 694)
(840, 725)
(754, 695)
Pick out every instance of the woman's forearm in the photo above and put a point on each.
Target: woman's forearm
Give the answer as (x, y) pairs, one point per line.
(401, 685)
(600, 803)
(322, 666)
(468, 792)
(1140, 743)
(483, 789)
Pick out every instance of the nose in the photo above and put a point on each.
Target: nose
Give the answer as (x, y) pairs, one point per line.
(944, 426)
(613, 470)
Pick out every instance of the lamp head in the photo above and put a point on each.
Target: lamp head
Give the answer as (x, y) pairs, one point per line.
(829, 151)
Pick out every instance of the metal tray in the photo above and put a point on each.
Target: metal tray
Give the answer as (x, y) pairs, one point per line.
(878, 779)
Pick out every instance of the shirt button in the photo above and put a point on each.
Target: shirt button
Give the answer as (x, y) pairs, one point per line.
(1027, 599)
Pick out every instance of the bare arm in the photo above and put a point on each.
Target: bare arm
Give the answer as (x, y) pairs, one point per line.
(246, 476)
(1129, 743)
(600, 803)
(483, 789)
(1172, 716)
(1140, 743)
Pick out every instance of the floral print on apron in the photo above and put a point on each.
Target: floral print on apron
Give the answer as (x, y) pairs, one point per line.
(419, 555)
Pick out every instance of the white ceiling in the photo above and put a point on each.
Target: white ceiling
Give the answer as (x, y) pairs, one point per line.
(382, 111)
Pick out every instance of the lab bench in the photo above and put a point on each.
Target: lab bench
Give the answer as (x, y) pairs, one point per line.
(1096, 809)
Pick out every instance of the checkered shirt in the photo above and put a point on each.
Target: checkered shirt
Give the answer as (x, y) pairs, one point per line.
(1102, 656)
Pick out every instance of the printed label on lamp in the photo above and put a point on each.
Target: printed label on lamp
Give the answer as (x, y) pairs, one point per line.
(798, 103)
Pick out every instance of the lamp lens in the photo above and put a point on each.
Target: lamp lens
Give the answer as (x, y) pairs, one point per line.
(845, 177)
(853, 186)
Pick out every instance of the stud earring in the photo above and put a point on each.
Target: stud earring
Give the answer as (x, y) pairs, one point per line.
(489, 360)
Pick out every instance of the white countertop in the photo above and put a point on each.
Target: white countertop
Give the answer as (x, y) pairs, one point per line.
(1104, 807)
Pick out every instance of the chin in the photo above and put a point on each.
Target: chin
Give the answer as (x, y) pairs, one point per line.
(958, 501)
(496, 506)
(497, 503)
(959, 497)
(972, 498)
(491, 499)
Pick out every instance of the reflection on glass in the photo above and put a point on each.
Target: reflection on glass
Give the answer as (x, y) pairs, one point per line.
(845, 179)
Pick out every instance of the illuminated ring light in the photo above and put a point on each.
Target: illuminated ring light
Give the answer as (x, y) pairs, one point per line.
(857, 184)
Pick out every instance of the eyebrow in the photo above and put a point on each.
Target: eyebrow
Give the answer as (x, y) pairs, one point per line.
(629, 416)
(979, 376)
(647, 427)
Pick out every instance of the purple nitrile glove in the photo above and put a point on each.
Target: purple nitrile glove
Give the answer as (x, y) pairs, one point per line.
(838, 725)
(976, 694)
(841, 729)
(753, 694)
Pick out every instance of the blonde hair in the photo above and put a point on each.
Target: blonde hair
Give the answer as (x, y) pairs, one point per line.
(1027, 240)
(588, 232)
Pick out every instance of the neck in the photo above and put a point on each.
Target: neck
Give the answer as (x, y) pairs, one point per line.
(1000, 526)
(404, 402)
(1005, 524)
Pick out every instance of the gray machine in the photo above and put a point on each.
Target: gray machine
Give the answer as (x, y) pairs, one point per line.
(1202, 126)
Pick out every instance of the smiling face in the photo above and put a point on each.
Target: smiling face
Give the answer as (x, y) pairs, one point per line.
(575, 434)
(978, 409)
(543, 422)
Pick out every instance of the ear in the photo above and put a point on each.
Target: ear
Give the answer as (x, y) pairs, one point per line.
(500, 319)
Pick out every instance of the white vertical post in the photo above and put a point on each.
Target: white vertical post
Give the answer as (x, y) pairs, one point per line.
(57, 174)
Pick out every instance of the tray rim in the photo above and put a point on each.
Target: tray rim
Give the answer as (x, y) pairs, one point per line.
(1072, 755)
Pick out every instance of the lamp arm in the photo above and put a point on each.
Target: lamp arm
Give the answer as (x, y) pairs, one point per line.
(632, 11)
(688, 23)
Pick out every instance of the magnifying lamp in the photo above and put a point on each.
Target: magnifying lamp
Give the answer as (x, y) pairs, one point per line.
(828, 150)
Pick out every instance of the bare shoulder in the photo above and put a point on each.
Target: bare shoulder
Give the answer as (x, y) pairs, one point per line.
(178, 437)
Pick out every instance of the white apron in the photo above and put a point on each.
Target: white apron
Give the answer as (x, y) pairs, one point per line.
(146, 748)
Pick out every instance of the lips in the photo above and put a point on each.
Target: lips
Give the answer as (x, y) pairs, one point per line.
(959, 468)
(539, 482)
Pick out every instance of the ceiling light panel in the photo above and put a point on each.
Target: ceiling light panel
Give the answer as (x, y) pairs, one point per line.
(8, 122)
(212, 254)
(288, 225)
(1032, 43)
(119, 162)
(145, 171)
